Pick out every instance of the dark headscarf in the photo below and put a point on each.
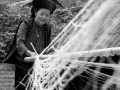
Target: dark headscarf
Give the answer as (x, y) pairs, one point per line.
(47, 4)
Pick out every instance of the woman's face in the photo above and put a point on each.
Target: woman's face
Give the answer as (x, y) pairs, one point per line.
(42, 16)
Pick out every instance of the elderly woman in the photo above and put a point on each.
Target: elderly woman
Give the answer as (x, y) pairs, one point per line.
(35, 30)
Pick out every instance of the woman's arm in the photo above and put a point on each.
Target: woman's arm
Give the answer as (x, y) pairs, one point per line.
(20, 40)
(21, 37)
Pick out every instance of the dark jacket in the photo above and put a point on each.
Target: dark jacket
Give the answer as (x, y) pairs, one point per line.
(40, 36)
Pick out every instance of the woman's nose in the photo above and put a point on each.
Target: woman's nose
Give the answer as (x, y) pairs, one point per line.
(44, 16)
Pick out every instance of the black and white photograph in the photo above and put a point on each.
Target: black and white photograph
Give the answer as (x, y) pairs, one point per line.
(59, 44)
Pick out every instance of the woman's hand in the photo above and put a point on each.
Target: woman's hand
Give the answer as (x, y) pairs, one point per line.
(31, 56)
(29, 59)
(30, 53)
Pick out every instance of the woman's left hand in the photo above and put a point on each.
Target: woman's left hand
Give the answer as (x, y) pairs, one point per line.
(30, 59)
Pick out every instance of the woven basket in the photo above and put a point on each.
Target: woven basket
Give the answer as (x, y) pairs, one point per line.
(7, 76)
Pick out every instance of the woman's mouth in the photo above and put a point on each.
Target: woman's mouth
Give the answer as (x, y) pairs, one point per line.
(41, 22)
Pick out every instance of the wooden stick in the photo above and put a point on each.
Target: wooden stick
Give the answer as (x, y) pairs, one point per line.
(33, 48)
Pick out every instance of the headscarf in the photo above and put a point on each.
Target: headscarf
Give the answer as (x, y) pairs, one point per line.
(46, 4)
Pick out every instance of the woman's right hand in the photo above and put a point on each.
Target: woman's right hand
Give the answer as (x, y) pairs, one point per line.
(30, 53)
(30, 56)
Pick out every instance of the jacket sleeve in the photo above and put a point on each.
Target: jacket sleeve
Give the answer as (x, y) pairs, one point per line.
(21, 37)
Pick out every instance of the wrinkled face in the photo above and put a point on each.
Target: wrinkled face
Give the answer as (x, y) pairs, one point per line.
(42, 16)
